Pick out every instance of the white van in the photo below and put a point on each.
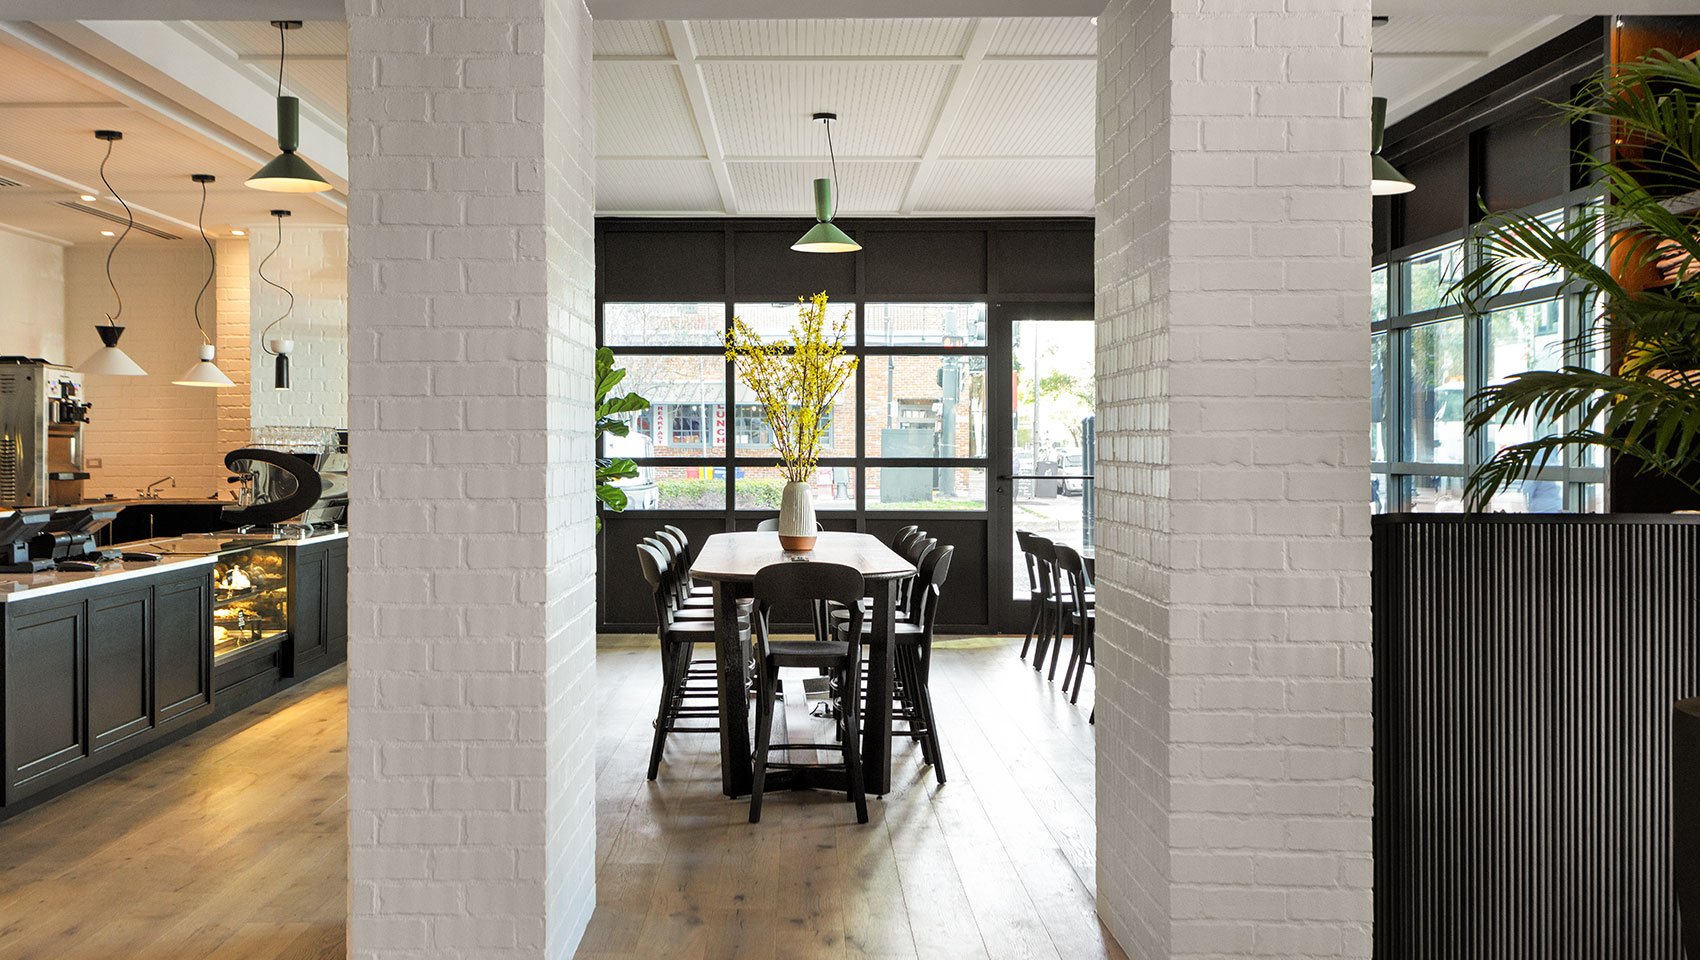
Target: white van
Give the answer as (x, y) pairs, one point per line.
(641, 490)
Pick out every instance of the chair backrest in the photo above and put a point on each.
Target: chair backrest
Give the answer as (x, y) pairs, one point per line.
(1045, 561)
(1024, 540)
(929, 585)
(669, 551)
(807, 580)
(685, 555)
(771, 525)
(916, 554)
(1074, 573)
(901, 537)
(653, 560)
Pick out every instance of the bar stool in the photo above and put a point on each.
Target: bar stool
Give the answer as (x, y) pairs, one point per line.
(841, 658)
(678, 669)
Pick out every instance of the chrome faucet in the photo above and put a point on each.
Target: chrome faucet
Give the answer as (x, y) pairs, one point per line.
(151, 494)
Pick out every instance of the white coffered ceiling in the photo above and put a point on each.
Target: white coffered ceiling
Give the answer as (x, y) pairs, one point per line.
(953, 116)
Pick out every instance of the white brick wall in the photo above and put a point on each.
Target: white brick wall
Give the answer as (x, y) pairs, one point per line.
(144, 428)
(234, 339)
(313, 263)
(471, 650)
(1234, 690)
(32, 312)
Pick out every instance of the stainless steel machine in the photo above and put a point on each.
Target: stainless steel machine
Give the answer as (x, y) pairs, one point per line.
(42, 417)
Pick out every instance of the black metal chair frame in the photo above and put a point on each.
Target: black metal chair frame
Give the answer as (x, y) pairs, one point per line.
(678, 668)
(842, 658)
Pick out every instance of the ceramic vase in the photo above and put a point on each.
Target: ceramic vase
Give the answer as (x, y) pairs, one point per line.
(797, 517)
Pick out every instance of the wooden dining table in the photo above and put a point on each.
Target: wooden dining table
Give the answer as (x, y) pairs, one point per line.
(730, 562)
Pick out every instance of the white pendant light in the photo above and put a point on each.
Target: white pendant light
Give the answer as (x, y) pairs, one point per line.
(277, 347)
(205, 373)
(109, 359)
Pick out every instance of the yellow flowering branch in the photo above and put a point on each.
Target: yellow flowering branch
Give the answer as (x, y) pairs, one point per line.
(795, 380)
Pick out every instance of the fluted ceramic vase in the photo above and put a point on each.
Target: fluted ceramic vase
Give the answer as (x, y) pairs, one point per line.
(797, 517)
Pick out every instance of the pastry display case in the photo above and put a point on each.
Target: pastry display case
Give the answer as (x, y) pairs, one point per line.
(250, 600)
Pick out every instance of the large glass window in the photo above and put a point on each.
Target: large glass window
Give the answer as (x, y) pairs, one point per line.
(920, 396)
(1429, 356)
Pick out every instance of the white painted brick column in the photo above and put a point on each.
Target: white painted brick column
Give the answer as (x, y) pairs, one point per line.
(1234, 730)
(471, 650)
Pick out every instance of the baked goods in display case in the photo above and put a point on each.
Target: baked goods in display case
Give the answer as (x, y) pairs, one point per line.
(250, 600)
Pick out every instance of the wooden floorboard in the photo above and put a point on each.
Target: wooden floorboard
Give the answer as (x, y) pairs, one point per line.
(231, 844)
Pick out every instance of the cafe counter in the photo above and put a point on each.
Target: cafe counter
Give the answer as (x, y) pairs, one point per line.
(101, 666)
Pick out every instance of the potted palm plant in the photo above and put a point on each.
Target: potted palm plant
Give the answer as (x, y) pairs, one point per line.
(1637, 264)
(795, 380)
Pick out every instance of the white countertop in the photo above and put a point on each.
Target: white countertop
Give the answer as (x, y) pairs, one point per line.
(22, 586)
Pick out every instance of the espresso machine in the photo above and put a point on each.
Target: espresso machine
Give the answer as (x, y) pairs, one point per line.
(42, 417)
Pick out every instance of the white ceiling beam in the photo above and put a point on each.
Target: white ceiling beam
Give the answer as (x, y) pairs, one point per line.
(955, 99)
(261, 69)
(832, 59)
(70, 186)
(1432, 54)
(135, 94)
(33, 235)
(685, 55)
(699, 158)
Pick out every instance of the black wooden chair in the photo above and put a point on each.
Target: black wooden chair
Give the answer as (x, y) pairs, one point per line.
(685, 682)
(1083, 630)
(913, 653)
(685, 555)
(1035, 599)
(841, 658)
(1056, 604)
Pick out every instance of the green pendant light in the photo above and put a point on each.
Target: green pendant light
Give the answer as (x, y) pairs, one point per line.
(278, 348)
(286, 172)
(1384, 179)
(824, 236)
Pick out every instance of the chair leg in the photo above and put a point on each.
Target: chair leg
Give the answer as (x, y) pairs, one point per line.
(1074, 656)
(1085, 655)
(764, 733)
(924, 706)
(663, 712)
(1032, 628)
(1056, 648)
(853, 743)
(1044, 637)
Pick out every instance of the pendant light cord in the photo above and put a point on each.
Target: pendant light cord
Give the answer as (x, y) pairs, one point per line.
(212, 261)
(291, 308)
(282, 44)
(129, 218)
(834, 156)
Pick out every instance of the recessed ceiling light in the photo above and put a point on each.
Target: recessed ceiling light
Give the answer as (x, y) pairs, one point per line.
(107, 233)
(1094, 21)
(89, 198)
(239, 233)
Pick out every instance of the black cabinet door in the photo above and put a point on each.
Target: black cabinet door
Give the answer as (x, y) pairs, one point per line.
(307, 607)
(120, 661)
(45, 733)
(182, 647)
(336, 599)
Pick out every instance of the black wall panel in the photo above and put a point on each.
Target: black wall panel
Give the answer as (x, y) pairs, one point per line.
(1527, 160)
(660, 265)
(1526, 674)
(924, 262)
(765, 268)
(1044, 261)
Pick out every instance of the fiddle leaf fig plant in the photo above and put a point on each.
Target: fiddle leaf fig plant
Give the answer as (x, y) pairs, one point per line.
(1636, 265)
(609, 421)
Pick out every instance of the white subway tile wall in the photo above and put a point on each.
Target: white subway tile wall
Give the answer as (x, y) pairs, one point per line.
(32, 313)
(313, 263)
(145, 428)
(471, 660)
(1234, 731)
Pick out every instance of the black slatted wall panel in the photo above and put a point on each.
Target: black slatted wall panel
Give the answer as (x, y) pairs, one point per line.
(1526, 670)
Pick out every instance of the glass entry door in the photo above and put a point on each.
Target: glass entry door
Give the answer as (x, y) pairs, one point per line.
(1046, 453)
